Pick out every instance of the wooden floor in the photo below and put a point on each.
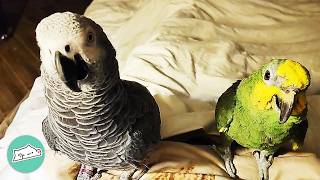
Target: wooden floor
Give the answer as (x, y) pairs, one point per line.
(19, 55)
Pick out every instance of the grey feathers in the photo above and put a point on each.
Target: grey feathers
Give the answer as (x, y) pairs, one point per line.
(104, 129)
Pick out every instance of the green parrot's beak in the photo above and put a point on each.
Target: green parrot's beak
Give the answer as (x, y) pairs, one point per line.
(285, 105)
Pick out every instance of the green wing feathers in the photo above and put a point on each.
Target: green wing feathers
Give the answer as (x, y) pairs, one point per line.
(225, 107)
(298, 133)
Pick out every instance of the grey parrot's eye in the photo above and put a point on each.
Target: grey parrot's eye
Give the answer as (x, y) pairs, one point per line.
(90, 37)
(67, 48)
(267, 75)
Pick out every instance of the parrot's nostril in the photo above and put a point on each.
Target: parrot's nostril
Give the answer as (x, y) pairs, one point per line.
(67, 48)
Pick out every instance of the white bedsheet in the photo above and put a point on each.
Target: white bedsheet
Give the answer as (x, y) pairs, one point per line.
(187, 52)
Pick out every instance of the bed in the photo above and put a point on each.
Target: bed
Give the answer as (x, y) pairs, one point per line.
(187, 53)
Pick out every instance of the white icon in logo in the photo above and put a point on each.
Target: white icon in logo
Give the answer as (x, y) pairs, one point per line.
(25, 153)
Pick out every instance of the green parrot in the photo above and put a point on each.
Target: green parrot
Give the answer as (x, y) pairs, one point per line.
(263, 112)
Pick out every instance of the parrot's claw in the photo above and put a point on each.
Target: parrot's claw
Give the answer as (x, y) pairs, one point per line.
(140, 172)
(231, 170)
(85, 173)
(98, 175)
(135, 174)
(264, 161)
(88, 173)
(225, 153)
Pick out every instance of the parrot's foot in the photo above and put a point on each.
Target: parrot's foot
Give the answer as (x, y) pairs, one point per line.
(98, 175)
(85, 173)
(226, 155)
(231, 170)
(264, 161)
(136, 173)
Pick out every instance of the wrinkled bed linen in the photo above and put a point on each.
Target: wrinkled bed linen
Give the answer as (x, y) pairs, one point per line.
(188, 52)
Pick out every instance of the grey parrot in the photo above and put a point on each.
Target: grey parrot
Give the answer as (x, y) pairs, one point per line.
(95, 118)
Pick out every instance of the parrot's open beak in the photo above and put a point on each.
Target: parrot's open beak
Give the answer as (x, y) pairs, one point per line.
(285, 105)
(71, 70)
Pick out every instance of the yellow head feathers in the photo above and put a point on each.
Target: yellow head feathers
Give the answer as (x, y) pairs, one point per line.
(294, 74)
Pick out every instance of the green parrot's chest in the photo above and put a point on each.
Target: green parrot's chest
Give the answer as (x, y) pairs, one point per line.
(259, 130)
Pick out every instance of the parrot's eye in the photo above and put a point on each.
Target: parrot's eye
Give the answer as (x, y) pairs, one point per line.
(90, 37)
(267, 75)
(67, 48)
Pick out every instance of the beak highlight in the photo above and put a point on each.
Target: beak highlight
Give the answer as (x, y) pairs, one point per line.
(71, 70)
(286, 106)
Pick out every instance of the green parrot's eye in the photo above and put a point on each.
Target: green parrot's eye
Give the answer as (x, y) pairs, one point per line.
(267, 75)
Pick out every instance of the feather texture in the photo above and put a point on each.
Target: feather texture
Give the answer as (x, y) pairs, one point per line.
(111, 127)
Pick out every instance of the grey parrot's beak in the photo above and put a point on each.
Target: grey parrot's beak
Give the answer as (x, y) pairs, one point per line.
(71, 70)
(285, 106)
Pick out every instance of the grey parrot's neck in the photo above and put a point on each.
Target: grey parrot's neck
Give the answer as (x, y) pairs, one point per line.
(107, 99)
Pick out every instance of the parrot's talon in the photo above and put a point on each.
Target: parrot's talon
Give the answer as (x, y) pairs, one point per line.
(98, 175)
(228, 159)
(127, 175)
(135, 173)
(139, 173)
(231, 170)
(140, 170)
(264, 161)
(85, 173)
(225, 153)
